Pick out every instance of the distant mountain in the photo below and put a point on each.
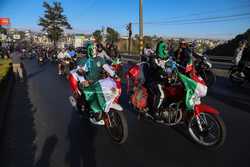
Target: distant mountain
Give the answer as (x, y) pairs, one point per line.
(228, 49)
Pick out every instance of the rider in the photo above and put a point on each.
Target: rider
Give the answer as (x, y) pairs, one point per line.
(61, 56)
(93, 67)
(154, 78)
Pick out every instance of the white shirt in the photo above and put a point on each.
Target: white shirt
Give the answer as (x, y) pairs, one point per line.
(104, 55)
(61, 55)
(239, 55)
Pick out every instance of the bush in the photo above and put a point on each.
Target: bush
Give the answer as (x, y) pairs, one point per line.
(4, 68)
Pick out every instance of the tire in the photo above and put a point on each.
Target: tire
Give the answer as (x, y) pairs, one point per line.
(123, 123)
(192, 126)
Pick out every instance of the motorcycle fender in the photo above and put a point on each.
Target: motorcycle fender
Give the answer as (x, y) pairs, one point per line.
(116, 107)
(205, 108)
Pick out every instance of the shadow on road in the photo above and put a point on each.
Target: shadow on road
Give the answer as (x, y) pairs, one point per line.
(17, 144)
(81, 135)
(235, 96)
(35, 73)
(48, 149)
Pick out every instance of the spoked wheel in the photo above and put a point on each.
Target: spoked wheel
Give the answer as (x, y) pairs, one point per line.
(117, 126)
(214, 130)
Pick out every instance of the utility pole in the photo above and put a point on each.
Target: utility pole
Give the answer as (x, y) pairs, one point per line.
(129, 28)
(141, 27)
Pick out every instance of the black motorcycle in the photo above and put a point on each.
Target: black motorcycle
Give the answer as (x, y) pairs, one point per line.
(204, 68)
(236, 78)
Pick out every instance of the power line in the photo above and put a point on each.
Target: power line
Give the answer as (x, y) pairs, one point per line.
(246, 6)
(200, 19)
(203, 22)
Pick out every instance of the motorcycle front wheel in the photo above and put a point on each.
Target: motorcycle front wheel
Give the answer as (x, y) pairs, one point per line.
(116, 125)
(214, 130)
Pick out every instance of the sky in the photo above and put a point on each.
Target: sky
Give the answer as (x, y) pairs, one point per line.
(168, 18)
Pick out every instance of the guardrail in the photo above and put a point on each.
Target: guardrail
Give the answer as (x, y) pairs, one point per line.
(220, 62)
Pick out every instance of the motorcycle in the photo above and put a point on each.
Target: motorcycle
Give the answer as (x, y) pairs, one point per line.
(202, 121)
(112, 115)
(40, 60)
(204, 68)
(235, 77)
(68, 64)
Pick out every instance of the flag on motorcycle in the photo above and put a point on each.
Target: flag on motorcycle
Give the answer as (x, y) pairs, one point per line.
(101, 94)
(194, 91)
(189, 66)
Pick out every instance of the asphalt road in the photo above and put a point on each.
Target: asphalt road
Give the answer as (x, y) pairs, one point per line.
(42, 130)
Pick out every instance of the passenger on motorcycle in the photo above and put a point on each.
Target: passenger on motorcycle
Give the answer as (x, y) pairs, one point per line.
(148, 53)
(154, 78)
(112, 51)
(183, 56)
(102, 53)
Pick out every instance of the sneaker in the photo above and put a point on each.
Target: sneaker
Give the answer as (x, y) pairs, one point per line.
(242, 75)
(72, 101)
(95, 122)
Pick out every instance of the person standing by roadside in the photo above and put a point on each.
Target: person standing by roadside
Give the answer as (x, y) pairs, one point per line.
(239, 51)
(17, 65)
(239, 59)
(244, 59)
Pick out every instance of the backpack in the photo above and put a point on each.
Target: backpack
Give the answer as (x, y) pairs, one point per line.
(139, 98)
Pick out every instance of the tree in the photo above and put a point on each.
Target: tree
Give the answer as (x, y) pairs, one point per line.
(98, 36)
(3, 30)
(54, 22)
(112, 35)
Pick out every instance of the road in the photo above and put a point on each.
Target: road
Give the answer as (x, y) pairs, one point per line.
(42, 130)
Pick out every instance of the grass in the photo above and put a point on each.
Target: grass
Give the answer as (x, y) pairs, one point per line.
(4, 67)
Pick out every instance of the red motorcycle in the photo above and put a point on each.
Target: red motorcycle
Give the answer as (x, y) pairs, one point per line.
(180, 105)
(112, 114)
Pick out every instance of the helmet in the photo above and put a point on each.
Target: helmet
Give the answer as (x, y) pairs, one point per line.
(161, 51)
(90, 50)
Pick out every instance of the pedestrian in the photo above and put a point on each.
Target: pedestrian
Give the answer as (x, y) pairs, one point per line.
(239, 51)
(243, 60)
(17, 65)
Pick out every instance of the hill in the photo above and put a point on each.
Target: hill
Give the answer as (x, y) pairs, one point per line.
(228, 49)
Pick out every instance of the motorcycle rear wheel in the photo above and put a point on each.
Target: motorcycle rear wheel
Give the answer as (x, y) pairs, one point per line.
(116, 125)
(214, 133)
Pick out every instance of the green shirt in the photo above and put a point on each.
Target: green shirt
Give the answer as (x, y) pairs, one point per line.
(96, 65)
